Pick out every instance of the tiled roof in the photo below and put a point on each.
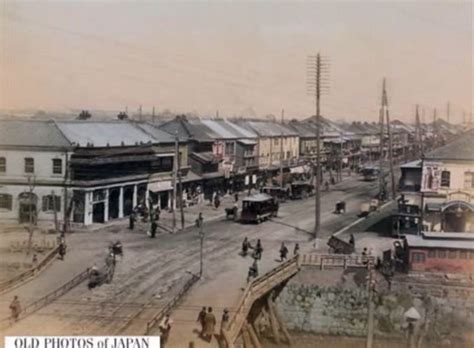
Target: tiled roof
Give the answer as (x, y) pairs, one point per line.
(267, 129)
(159, 135)
(460, 149)
(31, 133)
(103, 133)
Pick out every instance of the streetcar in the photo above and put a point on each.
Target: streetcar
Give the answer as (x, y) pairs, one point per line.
(258, 208)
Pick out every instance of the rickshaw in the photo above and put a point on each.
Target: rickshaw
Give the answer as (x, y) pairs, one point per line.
(370, 173)
(301, 189)
(340, 207)
(277, 192)
(258, 208)
(231, 213)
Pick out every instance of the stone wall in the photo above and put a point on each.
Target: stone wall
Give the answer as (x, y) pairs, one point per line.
(339, 307)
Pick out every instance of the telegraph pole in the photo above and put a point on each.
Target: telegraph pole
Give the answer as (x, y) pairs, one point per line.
(315, 70)
(435, 128)
(180, 183)
(419, 137)
(383, 108)
(140, 113)
(175, 172)
(390, 154)
(153, 115)
(281, 160)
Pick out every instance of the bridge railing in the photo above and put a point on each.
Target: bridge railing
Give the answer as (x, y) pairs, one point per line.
(8, 284)
(336, 260)
(45, 300)
(279, 274)
(170, 305)
(257, 289)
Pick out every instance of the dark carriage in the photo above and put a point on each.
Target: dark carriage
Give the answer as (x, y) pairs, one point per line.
(258, 208)
(277, 192)
(301, 189)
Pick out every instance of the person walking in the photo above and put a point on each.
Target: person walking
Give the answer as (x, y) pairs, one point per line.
(62, 250)
(352, 240)
(224, 323)
(245, 246)
(199, 220)
(217, 202)
(131, 220)
(236, 197)
(253, 271)
(283, 252)
(258, 250)
(296, 250)
(210, 324)
(15, 308)
(153, 227)
(201, 319)
(165, 328)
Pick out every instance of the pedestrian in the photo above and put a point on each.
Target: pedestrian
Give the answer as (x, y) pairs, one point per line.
(253, 271)
(277, 206)
(165, 328)
(210, 324)
(131, 221)
(35, 260)
(283, 252)
(62, 250)
(199, 220)
(154, 227)
(201, 319)
(326, 185)
(217, 202)
(245, 246)
(236, 197)
(224, 322)
(296, 250)
(352, 240)
(258, 250)
(15, 308)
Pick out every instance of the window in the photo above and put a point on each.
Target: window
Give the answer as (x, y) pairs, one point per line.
(445, 178)
(468, 180)
(57, 166)
(418, 258)
(29, 165)
(442, 254)
(51, 203)
(431, 253)
(463, 254)
(5, 201)
(3, 164)
(452, 254)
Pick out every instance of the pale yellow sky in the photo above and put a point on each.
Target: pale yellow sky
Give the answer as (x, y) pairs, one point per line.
(232, 56)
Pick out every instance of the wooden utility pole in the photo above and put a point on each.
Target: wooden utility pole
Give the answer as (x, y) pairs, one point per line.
(435, 128)
(153, 115)
(390, 157)
(180, 183)
(66, 212)
(282, 116)
(340, 159)
(140, 113)
(383, 107)
(419, 137)
(315, 85)
(175, 172)
(281, 160)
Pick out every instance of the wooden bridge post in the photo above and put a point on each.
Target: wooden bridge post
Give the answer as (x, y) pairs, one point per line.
(246, 337)
(280, 323)
(253, 336)
(273, 320)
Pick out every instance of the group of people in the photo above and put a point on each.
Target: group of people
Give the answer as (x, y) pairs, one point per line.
(207, 320)
(153, 214)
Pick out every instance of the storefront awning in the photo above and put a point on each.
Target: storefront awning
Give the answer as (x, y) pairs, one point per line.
(160, 186)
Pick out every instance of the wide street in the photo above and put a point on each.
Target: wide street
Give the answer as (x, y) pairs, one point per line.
(152, 271)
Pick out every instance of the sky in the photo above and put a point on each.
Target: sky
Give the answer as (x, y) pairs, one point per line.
(238, 57)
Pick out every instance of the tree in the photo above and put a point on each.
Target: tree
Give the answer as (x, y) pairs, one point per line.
(84, 115)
